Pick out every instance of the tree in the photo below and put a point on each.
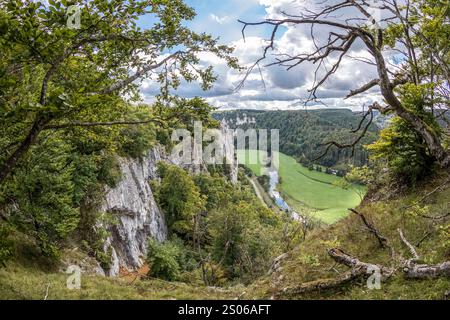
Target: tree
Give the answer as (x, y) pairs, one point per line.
(244, 237)
(180, 199)
(54, 77)
(416, 29)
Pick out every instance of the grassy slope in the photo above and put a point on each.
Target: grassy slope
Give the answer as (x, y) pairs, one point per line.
(28, 275)
(17, 282)
(310, 191)
(310, 261)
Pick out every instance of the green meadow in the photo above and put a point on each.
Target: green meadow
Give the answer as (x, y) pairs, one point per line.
(311, 192)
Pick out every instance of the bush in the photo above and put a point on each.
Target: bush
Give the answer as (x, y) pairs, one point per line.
(179, 198)
(5, 244)
(168, 260)
(162, 259)
(404, 152)
(244, 238)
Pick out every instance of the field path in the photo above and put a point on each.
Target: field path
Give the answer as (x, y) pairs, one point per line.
(257, 187)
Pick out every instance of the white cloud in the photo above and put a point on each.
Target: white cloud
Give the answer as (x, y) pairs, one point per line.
(274, 87)
(219, 20)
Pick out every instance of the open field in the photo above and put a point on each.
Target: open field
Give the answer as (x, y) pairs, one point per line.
(310, 191)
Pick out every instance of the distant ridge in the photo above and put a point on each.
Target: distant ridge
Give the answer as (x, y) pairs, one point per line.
(303, 132)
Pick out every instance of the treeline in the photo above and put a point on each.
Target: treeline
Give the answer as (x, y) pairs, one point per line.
(304, 133)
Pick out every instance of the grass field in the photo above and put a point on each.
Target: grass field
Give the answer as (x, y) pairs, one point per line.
(309, 191)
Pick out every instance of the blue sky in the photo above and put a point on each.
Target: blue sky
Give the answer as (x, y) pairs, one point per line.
(221, 17)
(274, 87)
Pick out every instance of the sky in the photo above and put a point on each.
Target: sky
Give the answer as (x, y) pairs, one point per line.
(273, 87)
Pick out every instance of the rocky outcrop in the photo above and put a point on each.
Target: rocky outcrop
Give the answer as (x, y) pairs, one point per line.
(228, 136)
(133, 204)
(138, 215)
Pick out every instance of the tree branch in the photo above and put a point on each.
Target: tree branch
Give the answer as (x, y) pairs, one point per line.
(349, 145)
(381, 239)
(96, 124)
(121, 84)
(411, 248)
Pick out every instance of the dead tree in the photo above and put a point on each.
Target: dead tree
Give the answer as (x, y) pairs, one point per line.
(360, 270)
(343, 33)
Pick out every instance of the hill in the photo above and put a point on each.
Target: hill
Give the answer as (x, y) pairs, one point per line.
(421, 216)
(306, 272)
(303, 133)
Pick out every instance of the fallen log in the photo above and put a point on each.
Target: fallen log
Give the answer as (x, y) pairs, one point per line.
(359, 270)
(363, 270)
(320, 285)
(425, 271)
(358, 266)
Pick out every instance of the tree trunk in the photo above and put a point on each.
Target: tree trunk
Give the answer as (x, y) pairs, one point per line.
(13, 159)
(430, 137)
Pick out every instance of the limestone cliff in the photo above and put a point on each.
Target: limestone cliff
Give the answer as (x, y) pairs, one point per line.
(139, 217)
(133, 204)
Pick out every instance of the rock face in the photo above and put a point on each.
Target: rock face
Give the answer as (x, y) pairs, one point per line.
(228, 136)
(139, 217)
(133, 204)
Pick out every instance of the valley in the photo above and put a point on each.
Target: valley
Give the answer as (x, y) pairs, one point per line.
(277, 150)
(308, 192)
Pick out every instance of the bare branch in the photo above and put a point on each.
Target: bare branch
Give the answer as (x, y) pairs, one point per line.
(363, 88)
(351, 145)
(412, 250)
(381, 239)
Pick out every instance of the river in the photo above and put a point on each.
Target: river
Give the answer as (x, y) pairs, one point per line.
(276, 196)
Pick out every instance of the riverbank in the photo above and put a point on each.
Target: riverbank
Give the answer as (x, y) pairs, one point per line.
(310, 193)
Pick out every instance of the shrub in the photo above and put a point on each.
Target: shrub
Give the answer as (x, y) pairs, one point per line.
(404, 152)
(5, 244)
(162, 258)
(180, 199)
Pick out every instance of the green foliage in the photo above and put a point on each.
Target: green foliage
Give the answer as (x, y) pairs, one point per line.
(360, 175)
(444, 236)
(162, 258)
(232, 235)
(43, 190)
(214, 188)
(6, 249)
(303, 133)
(180, 199)
(402, 148)
(169, 260)
(264, 181)
(53, 182)
(404, 152)
(243, 240)
(63, 88)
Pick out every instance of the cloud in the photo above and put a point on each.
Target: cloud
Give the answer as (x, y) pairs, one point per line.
(274, 87)
(219, 20)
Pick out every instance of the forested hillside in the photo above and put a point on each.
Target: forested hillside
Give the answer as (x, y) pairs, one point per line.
(98, 200)
(304, 133)
(87, 180)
